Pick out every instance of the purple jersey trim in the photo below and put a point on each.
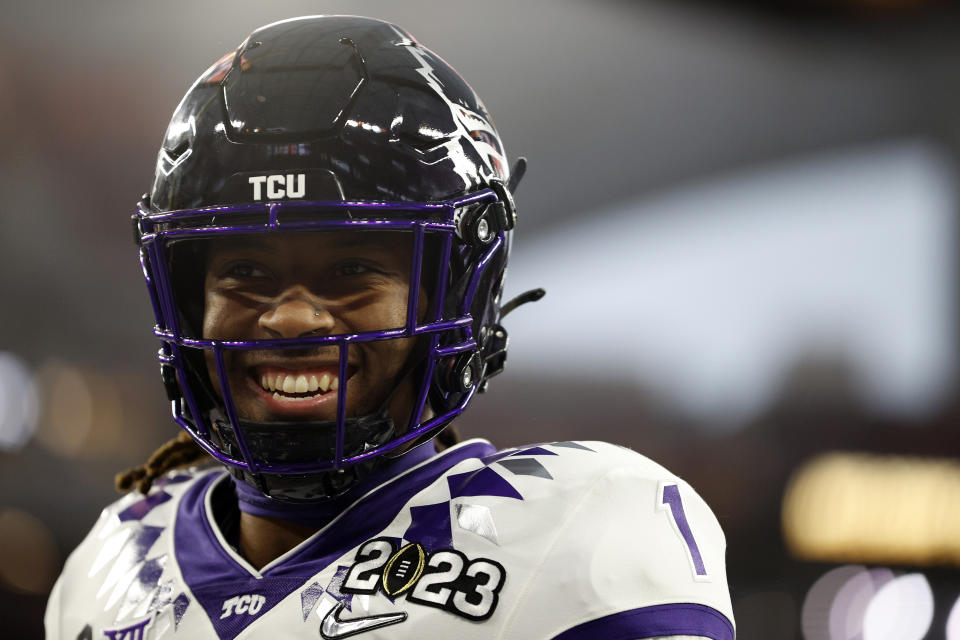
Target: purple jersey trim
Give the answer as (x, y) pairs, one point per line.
(653, 622)
(214, 576)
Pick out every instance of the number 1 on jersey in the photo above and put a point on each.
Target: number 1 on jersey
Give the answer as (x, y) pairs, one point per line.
(671, 500)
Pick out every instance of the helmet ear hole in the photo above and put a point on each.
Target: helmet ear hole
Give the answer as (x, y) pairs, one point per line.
(463, 373)
(478, 227)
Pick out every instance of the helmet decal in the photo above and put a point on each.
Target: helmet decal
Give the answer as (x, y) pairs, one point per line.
(278, 186)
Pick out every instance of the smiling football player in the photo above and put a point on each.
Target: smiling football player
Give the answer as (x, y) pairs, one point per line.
(324, 245)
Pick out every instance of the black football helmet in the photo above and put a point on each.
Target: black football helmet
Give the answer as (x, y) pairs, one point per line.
(318, 124)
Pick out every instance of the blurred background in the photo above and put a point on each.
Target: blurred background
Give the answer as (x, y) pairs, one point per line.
(745, 215)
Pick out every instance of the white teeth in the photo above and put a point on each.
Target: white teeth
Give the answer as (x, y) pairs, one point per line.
(302, 384)
(298, 383)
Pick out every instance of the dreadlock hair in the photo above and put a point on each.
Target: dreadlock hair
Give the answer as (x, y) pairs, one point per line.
(179, 451)
(182, 451)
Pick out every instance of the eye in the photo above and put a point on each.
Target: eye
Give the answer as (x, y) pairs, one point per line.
(243, 271)
(353, 269)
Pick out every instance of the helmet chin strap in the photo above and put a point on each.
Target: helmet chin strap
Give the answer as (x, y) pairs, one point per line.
(317, 513)
(306, 441)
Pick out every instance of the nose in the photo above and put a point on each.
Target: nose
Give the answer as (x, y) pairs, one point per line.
(296, 314)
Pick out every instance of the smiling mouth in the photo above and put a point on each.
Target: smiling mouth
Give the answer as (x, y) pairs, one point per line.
(284, 384)
(299, 385)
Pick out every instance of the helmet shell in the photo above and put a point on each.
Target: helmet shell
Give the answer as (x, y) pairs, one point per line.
(329, 110)
(355, 103)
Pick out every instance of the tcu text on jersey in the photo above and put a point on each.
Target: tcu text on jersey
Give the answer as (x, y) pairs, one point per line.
(247, 603)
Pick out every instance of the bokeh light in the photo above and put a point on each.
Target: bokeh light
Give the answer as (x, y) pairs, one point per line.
(816, 615)
(953, 622)
(901, 610)
(68, 409)
(851, 602)
(105, 436)
(879, 509)
(29, 558)
(18, 402)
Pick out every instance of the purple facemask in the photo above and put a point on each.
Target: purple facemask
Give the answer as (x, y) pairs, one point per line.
(460, 342)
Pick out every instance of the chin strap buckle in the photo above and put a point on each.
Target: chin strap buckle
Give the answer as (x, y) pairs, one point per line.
(493, 352)
(495, 340)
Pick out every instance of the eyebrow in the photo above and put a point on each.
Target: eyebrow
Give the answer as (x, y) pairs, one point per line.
(376, 239)
(238, 242)
(350, 240)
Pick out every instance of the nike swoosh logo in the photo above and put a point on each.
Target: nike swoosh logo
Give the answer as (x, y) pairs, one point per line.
(333, 627)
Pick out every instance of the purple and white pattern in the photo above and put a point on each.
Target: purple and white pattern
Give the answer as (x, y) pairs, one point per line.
(536, 541)
(214, 574)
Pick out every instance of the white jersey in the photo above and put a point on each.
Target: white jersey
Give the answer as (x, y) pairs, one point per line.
(566, 540)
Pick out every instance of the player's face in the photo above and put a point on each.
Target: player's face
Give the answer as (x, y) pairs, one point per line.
(295, 285)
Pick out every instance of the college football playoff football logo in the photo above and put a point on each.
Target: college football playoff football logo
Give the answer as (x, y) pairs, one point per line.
(445, 579)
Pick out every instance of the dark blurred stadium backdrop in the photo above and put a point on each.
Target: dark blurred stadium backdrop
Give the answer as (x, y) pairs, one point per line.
(745, 215)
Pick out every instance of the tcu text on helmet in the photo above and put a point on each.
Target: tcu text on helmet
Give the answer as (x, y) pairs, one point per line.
(279, 186)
